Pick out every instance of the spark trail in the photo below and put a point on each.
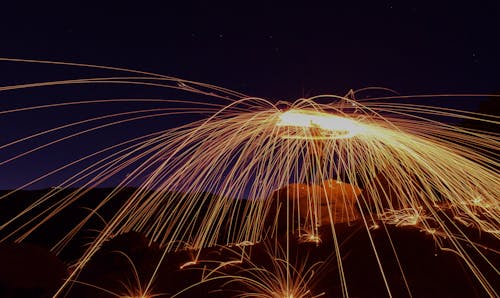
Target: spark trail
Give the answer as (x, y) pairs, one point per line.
(213, 181)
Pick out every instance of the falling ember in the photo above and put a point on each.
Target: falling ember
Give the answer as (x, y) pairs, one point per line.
(332, 126)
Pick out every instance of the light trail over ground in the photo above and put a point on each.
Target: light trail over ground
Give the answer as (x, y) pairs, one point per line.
(248, 168)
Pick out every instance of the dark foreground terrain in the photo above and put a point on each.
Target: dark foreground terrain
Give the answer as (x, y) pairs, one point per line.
(124, 264)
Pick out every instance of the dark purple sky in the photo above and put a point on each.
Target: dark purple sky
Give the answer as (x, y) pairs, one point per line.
(280, 52)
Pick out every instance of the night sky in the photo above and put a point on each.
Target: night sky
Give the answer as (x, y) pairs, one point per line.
(279, 52)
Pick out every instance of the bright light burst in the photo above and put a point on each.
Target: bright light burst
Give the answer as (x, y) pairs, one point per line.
(213, 181)
(332, 126)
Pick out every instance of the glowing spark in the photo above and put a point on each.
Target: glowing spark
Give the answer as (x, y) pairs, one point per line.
(245, 243)
(403, 217)
(187, 264)
(430, 231)
(309, 238)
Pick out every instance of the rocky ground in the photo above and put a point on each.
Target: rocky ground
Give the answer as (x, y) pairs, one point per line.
(408, 255)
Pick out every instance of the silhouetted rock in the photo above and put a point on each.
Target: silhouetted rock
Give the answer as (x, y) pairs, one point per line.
(126, 263)
(29, 271)
(332, 201)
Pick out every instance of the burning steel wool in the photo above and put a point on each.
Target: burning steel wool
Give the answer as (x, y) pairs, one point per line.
(332, 126)
(247, 170)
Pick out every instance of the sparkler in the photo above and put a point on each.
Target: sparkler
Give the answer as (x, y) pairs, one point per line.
(213, 181)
